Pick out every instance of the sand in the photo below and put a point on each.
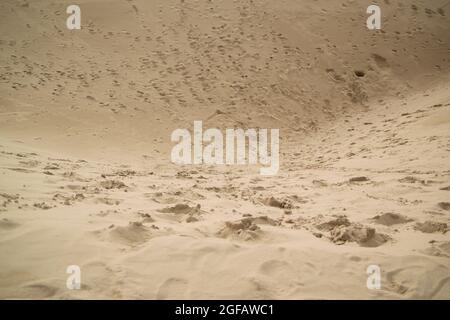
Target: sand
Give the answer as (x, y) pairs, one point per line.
(85, 171)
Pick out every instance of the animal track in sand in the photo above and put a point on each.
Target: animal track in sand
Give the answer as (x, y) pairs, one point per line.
(282, 273)
(276, 268)
(162, 198)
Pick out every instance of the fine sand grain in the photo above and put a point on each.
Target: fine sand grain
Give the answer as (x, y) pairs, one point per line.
(85, 172)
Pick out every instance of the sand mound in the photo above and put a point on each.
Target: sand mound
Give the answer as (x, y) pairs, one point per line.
(133, 234)
(390, 219)
(364, 236)
(182, 209)
(330, 225)
(244, 229)
(184, 212)
(263, 220)
(273, 202)
(431, 227)
(341, 231)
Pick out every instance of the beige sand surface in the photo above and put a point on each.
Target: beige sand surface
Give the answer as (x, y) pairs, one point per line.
(85, 172)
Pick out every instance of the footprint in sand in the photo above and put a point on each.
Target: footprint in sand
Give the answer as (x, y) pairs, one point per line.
(439, 249)
(6, 224)
(277, 269)
(282, 204)
(134, 233)
(394, 282)
(380, 61)
(38, 291)
(112, 184)
(108, 201)
(159, 197)
(173, 288)
(319, 183)
(444, 205)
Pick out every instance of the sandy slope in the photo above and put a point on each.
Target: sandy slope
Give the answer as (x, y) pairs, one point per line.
(85, 127)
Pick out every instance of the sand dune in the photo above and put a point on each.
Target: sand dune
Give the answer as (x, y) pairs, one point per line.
(86, 177)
